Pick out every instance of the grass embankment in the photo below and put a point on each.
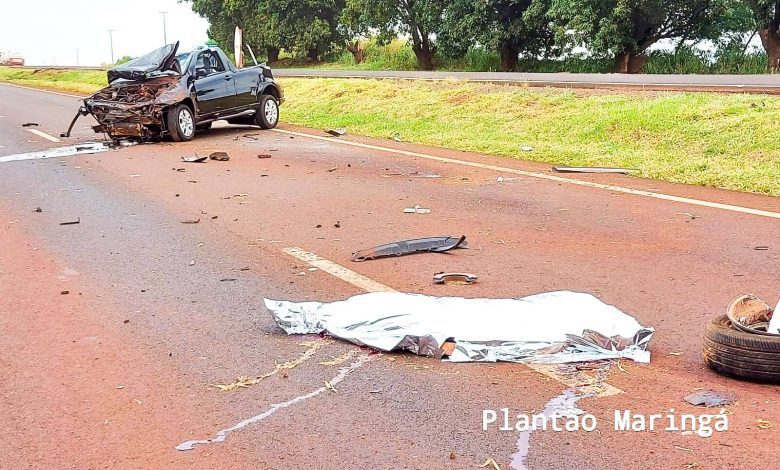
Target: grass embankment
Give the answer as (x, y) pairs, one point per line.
(78, 81)
(722, 140)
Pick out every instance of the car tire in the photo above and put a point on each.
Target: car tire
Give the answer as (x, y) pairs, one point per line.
(267, 115)
(181, 123)
(740, 354)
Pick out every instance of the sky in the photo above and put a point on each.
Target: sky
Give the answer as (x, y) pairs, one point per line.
(48, 32)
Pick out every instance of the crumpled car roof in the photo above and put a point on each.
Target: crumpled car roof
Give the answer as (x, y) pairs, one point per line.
(159, 60)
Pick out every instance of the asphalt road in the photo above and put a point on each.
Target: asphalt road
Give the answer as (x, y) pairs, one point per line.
(117, 372)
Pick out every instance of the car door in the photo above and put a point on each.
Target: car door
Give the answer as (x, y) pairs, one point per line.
(214, 87)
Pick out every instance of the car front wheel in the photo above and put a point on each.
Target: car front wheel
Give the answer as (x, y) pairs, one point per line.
(267, 115)
(181, 123)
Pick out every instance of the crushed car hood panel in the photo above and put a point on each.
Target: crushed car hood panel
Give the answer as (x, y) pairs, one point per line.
(159, 60)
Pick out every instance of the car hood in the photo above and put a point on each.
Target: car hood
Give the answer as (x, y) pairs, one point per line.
(159, 60)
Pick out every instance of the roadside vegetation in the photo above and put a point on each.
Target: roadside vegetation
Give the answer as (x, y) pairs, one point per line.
(735, 36)
(721, 140)
(78, 81)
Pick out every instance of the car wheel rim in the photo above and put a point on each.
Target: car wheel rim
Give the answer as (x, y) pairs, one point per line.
(185, 122)
(271, 111)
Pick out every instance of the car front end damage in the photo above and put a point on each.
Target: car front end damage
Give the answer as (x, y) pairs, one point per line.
(136, 110)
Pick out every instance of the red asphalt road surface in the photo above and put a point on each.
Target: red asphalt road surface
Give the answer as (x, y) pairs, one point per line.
(117, 372)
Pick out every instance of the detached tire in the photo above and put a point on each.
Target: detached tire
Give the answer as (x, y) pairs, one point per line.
(739, 354)
(267, 115)
(181, 123)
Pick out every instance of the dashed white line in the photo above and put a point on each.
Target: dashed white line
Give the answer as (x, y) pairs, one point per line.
(558, 179)
(46, 136)
(346, 275)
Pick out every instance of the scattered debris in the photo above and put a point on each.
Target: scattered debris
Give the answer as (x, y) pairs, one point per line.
(750, 314)
(264, 155)
(74, 222)
(500, 179)
(192, 263)
(38, 209)
(30, 124)
(527, 148)
(331, 170)
(454, 278)
(65, 292)
(416, 210)
(246, 382)
(337, 224)
(710, 398)
(764, 424)
(761, 248)
(490, 463)
(405, 247)
(338, 132)
(195, 159)
(228, 279)
(196, 221)
(512, 330)
(572, 169)
(397, 137)
(219, 156)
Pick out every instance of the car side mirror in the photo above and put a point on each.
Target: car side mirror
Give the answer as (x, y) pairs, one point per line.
(200, 73)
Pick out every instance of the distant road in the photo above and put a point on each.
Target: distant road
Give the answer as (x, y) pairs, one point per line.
(722, 83)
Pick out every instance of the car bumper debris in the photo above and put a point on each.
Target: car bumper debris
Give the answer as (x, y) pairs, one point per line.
(405, 247)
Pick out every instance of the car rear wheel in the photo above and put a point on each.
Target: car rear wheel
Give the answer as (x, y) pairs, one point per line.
(267, 115)
(181, 123)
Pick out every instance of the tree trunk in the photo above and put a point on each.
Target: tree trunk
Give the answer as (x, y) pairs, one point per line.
(313, 54)
(509, 57)
(630, 62)
(357, 51)
(424, 56)
(770, 38)
(273, 54)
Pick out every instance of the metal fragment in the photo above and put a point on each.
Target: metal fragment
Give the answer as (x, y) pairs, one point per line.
(454, 278)
(405, 247)
(709, 398)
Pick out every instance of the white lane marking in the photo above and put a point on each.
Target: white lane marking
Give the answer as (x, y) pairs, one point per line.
(44, 135)
(558, 179)
(596, 387)
(221, 435)
(347, 275)
(69, 151)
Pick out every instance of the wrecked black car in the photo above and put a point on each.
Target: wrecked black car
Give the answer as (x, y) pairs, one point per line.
(161, 94)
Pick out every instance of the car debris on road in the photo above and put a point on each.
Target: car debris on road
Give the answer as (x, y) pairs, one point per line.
(710, 398)
(195, 159)
(338, 132)
(478, 330)
(570, 169)
(416, 210)
(745, 342)
(164, 94)
(72, 222)
(219, 156)
(30, 124)
(406, 247)
(454, 278)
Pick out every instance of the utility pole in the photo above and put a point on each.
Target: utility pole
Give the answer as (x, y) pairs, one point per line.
(165, 31)
(111, 40)
(77, 57)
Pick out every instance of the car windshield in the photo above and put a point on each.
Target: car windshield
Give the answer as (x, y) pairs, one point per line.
(184, 60)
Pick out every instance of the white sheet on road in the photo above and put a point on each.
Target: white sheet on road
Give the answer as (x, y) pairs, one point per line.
(552, 327)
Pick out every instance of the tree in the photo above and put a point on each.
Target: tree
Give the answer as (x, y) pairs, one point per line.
(310, 26)
(421, 20)
(509, 26)
(260, 31)
(627, 28)
(766, 13)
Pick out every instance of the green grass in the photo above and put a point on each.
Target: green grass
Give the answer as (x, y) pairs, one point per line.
(79, 81)
(721, 140)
